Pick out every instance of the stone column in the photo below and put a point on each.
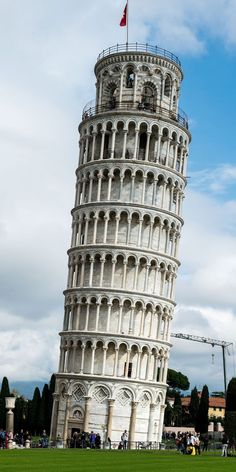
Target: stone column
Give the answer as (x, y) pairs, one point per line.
(92, 360)
(132, 424)
(55, 408)
(97, 314)
(108, 317)
(99, 186)
(102, 144)
(120, 318)
(110, 417)
(151, 421)
(106, 218)
(160, 429)
(67, 414)
(136, 143)
(91, 260)
(113, 138)
(93, 145)
(124, 143)
(102, 260)
(104, 360)
(143, 190)
(147, 145)
(109, 187)
(87, 316)
(117, 228)
(90, 188)
(95, 228)
(124, 274)
(74, 349)
(87, 413)
(116, 362)
(163, 195)
(131, 321)
(82, 359)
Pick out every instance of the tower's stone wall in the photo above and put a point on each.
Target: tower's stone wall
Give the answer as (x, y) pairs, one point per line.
(123, 259)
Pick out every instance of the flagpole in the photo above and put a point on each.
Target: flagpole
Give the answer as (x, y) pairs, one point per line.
(127, 31)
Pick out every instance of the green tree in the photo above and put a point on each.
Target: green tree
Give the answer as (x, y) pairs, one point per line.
(202, 421)
(177, 380)
(34, 409)
(168, 415)
(21, 414)
(44, 411)
(5, 392)
(177, 410)
(193, 406)
(230, 410)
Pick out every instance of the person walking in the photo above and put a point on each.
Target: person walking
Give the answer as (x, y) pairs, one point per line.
(225, 442)
(124, 439)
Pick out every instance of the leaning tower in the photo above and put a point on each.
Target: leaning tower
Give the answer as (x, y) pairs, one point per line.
(123, 259)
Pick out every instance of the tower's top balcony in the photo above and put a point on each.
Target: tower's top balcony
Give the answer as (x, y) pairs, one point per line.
(91, 109)
(138, 78)
(139, 47)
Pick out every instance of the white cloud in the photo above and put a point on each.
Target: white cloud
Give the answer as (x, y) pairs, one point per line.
(217, 180)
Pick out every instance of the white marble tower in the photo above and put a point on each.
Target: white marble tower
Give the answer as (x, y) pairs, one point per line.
(123, 258)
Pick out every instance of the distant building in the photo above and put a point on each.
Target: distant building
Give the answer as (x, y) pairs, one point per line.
(216, 406)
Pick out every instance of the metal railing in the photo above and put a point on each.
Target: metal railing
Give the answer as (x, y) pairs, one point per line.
(179, 116)
(140, 47)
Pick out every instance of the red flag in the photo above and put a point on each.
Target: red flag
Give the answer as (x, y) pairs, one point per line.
(124, 17)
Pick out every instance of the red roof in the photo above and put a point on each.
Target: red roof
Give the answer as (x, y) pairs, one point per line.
(214, 402)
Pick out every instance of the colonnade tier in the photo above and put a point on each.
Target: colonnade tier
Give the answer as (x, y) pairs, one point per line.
(113, 138)
(132, 188)
(128, 229)
(114, 358)
(117, 317)
(118, 271)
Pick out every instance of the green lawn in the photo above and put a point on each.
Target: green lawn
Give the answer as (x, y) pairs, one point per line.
(71, 460)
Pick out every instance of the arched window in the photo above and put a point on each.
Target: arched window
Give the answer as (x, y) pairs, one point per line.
(110, 94)
(147, 99)
(167, 88)
(130, 77)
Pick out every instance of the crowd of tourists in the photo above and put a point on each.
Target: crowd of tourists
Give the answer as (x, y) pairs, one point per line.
(20, 440)
(189, 443)
(83, 440)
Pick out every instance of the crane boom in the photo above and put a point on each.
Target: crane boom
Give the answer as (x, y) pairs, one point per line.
(201, 339)
(213, 342)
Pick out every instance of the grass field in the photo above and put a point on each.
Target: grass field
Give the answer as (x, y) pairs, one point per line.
(71, 460)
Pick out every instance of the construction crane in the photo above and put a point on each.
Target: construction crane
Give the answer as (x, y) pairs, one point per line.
(213, 342)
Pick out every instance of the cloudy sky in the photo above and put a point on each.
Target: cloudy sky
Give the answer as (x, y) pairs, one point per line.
(48, 51)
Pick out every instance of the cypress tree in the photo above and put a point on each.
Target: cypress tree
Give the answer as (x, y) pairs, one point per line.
(201, 424)
(194, 405)
(20, 414)
(34, 408)
(44, 411)
(5, 392)
(230, 410)
(168, 415)
(177, 410)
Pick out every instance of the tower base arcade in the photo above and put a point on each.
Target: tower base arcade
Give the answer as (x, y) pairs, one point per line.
(108, 408)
